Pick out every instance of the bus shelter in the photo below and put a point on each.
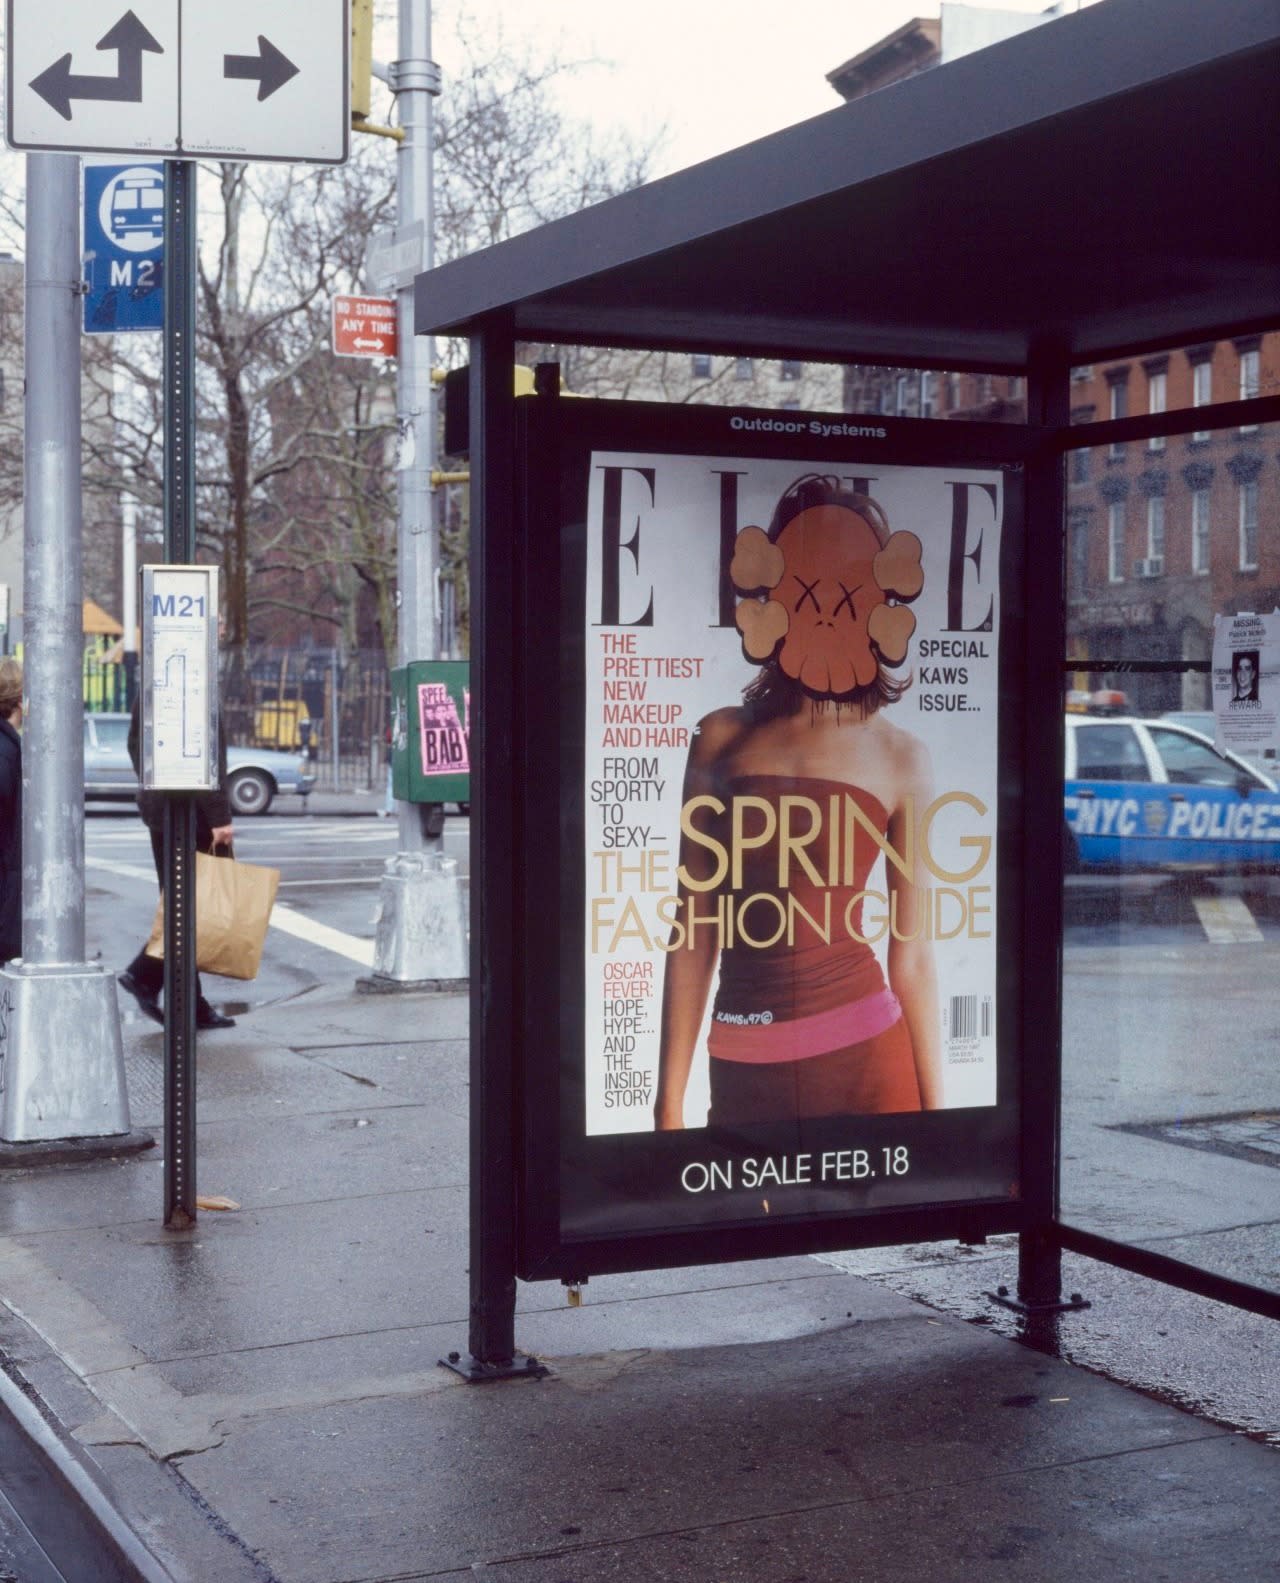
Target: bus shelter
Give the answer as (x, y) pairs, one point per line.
(770, 725)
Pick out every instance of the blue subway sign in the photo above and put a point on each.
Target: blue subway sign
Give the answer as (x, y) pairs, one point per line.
(123, 248)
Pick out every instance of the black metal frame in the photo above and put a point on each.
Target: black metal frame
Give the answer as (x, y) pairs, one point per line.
(495, 769)
(506, 530)
(518, 910)
(1062, 1235)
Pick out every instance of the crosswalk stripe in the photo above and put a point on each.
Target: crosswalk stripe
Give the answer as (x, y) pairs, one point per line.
(283, 918)
(1226, 920)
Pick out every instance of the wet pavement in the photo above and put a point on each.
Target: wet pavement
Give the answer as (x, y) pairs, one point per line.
(261, 1400)
(1217, 1362)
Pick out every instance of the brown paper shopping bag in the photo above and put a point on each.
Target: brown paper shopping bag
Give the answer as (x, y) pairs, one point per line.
(233, 909)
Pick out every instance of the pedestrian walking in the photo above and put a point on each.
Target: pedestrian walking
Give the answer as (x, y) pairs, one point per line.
(10, 809)
(144, 976)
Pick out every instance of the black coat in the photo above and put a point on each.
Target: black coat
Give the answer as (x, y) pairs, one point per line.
(10, 842)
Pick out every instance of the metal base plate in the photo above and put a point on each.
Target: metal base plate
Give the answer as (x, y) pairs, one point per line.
(521, 1367)
(73, 1151)
(376, 985)
(1064, 1305)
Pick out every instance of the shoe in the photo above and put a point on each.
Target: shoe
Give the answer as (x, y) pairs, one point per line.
(208, 1017)
(148, 999)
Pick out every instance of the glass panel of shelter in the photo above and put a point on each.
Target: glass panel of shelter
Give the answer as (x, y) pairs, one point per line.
(1171, 928)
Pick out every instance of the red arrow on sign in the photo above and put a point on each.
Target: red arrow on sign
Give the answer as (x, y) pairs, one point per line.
(364, 327)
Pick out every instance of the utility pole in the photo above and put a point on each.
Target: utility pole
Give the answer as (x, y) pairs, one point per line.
(421, 937)
(62, 1081)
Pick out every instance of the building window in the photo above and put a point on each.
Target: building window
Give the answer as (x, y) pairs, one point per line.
(953, 392)
(926, 395)
(1201, 391)
(1118, 408)
(1115, 541)
(1157, 401)
(701, 365)
(1249, 386)
(1249, 375)
(1155, 535)
(743, 368)
(1080, 465)
(1200, 530)
(1249, 526)
(1078, 557)
(790, 368)
(900, 395)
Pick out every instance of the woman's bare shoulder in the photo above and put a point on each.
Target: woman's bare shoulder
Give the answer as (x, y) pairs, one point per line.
(909, 754)
(712, 738)
(721, 726)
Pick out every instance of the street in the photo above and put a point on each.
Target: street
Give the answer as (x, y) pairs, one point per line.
(330, 868)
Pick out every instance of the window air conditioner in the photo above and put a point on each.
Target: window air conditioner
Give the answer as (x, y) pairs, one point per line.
(1153, 566)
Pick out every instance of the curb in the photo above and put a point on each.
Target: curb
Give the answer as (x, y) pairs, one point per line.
(70, 1472)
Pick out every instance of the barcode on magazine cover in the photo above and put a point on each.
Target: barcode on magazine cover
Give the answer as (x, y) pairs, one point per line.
(969, 1020)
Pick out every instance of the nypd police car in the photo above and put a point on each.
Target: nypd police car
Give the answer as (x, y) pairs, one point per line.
(1151, 794)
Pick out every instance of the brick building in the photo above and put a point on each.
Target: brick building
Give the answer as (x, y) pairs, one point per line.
(1164, 533)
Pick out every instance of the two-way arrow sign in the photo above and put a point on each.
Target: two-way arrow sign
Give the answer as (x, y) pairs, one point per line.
(59, 85)
(365, 327)
(192, 95)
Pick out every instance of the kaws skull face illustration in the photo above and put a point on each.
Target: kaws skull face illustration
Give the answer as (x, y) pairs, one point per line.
(827, 581)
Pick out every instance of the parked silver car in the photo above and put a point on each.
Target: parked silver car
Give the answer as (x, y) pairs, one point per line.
(255, 776)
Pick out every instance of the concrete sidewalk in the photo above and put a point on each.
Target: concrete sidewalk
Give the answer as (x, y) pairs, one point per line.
(260, 1397)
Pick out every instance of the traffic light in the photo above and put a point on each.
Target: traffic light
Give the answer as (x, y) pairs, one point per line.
(361, 59)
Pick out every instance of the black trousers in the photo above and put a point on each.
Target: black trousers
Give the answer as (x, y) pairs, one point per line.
(148, 971)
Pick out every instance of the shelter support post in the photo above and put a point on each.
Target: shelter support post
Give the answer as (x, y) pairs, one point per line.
(496, 767)
(1039, 1253)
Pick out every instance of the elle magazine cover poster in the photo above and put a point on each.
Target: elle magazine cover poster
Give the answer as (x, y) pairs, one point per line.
(790, 789)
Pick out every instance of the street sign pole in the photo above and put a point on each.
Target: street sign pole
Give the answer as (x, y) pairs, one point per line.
(62, 1080)
(422, 939)
(180, 808)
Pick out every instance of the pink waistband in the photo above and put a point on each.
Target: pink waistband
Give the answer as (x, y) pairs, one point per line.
(763, 1041)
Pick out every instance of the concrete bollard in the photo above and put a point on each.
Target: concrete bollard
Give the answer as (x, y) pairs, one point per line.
(421, 940)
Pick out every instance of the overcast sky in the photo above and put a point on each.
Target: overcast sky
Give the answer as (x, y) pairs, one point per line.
(716, 73)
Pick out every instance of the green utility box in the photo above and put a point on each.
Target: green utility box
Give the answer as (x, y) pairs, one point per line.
(430, 730)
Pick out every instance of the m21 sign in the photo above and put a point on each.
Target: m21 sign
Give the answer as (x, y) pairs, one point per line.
(768, 673)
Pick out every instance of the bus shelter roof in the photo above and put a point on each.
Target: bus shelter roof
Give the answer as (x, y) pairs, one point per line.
(1104, 183)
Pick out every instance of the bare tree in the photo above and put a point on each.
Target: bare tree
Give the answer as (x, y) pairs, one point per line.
(295, 487)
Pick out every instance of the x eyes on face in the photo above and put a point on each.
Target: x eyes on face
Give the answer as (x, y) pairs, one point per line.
(845, 602)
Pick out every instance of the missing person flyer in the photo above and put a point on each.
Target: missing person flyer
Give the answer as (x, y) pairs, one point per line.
(790, 790)
(1246, 683)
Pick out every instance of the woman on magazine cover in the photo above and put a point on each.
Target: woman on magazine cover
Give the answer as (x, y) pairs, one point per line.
(806, 1029)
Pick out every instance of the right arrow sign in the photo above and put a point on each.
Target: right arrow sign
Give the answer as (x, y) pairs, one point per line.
(269, 68)
(301, 110)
